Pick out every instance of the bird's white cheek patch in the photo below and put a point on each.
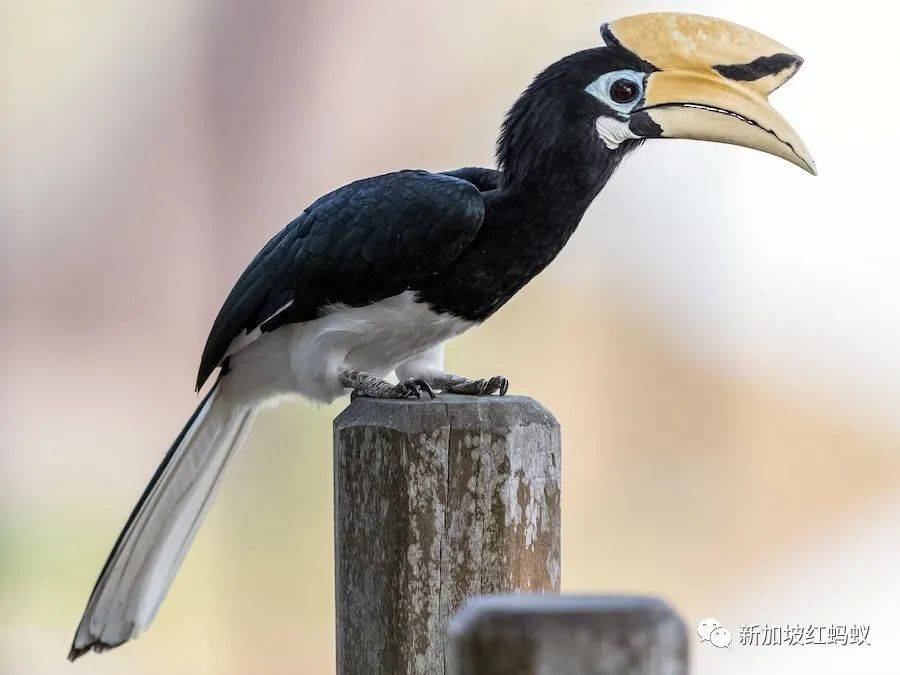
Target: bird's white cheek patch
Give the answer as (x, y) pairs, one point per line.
(614, 132)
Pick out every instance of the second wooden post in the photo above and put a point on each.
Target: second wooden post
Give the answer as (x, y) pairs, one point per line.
(435, 502)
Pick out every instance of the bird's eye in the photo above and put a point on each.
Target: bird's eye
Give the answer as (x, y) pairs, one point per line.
(624, 91)
(619, 90)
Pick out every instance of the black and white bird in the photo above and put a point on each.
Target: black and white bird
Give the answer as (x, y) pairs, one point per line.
(374, 277)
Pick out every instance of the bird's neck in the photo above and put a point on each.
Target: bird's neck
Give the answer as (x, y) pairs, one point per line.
(527, 222)
(542, 200)
(562, 184)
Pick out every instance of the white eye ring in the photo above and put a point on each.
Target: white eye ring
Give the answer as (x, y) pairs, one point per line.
(600, 89)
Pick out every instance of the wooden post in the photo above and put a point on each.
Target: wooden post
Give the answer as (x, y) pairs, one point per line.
(533, 635)
(437, 501)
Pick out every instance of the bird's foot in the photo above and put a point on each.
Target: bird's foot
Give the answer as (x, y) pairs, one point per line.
(484, 387)
(373, 387)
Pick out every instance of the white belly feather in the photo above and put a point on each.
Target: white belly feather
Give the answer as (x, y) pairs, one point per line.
(305, 358)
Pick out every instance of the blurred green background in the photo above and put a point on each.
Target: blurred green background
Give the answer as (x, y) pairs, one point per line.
(720, 341)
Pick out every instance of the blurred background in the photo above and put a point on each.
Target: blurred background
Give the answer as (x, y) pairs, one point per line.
(720, 341)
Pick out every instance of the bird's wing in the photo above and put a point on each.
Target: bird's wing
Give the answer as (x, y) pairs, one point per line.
(362, 243)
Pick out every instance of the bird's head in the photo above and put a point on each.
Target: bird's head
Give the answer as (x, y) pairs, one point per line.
(664, 75)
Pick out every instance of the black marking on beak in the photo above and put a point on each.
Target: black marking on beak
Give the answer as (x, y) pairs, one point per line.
(608, 37)
(643, 125)
(760, 68)
(612, 41)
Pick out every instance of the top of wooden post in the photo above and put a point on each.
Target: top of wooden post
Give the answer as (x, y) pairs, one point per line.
(467, 412)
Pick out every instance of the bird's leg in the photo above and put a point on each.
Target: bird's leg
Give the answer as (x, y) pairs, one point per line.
(365, 384)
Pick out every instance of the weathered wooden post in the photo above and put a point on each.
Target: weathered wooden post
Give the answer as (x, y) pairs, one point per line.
(541, 635)
(437, 501)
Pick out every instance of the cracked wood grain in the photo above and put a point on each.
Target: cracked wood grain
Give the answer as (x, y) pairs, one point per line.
(436, 502)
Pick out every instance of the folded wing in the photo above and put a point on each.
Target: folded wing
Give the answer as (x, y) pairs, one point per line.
(364, 242)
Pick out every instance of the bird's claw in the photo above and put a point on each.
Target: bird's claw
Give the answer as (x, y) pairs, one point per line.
(373, 388)
(426, 387)
(484, 387)
(411, 388)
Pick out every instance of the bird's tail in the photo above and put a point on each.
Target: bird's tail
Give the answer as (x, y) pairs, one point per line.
(160, 529)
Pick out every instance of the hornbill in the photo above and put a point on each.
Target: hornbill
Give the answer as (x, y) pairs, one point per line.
(373, 277)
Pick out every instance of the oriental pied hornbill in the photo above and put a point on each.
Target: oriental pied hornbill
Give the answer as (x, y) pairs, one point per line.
(375, 276)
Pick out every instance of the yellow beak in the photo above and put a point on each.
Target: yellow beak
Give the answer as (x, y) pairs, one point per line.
(710, 80)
